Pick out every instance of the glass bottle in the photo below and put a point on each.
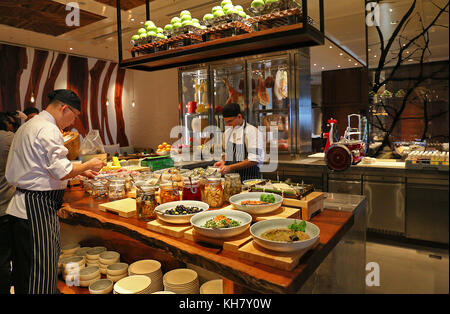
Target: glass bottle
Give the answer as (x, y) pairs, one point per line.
(191, 190)
(232, 185)
(213, 194)
(146, 202)
(169, 192)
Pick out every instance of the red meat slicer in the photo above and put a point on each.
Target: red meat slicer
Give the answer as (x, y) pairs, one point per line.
(348, 151)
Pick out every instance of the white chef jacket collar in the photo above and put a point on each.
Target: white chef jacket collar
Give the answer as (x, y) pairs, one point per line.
(47, 116)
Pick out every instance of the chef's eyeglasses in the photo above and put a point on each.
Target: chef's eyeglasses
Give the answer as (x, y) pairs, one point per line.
(76, 113)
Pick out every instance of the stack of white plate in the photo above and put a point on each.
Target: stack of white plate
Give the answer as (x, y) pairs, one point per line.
(89, 275)
(181, 281)
(71, 267)
(135, 284)
(151, 269)
(82, 251)
(116, 271)
(107, 258)
(212, 287)
(163, 292)
(69, 249)
(92, 255)
(102, 286)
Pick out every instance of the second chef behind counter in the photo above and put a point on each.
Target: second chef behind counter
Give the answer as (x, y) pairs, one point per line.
(243, 144)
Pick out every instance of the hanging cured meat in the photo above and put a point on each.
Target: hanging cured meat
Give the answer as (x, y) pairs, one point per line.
(261, 91)
(233, 95)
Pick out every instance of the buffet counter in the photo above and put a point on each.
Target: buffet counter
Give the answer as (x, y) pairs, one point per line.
(342, 228)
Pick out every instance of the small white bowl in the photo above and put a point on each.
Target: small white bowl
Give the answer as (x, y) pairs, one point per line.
(178, 219)
(255, 209)
(87, 283)
(102, 286)
(70, 248)
(94, 252)
(198, 221)
(212, 287)
(82, 251)
(117, 269)
(117, 277)
(89, 273)
(262, 226)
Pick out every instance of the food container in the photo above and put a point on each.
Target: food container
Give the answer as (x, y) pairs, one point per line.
(199, 220)
(169, 192)
(213, 194)
(116, 189)
(99, 189)
(87, 186)
(232, 185)
(179, 218)
(146, 202)
(108, 257)
(191, 190)
(117, 269)
(102, 286)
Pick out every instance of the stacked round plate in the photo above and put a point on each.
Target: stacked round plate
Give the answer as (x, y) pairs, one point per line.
(89, 275)
(92, 255)
(102, 286)
(107, 258)
(82, 251)
(181, 281)
(71, 267)
(135, 284)
(151, 269)
(69, 249)
(212, 287)
(116, 271)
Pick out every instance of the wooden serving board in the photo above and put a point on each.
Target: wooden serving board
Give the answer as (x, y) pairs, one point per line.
(124, 208)
(309, 204)
(282, 212)
(285, 261)
(174, 230)
(228, 244)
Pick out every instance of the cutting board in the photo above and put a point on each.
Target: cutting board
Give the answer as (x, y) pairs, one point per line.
(124, 208)
(282, 212)
(228, 244)
(174, 230)
(285, 261)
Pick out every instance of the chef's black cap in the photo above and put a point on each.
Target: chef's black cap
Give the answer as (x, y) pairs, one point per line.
(231, 110)
(66, 96)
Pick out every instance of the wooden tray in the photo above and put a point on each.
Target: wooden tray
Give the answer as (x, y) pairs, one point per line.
(282, 212)
(285, 261)
(310, 204)
(174, 230)
(124, 208)
(226, 30)
(229, 244)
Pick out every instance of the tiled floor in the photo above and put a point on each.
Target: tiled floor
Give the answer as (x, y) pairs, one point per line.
(409, 268)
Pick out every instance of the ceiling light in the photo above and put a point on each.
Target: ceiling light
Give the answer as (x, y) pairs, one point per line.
(323, 68)
(331, 46)
(394, 22)
(142, 22)
(407, 52)
(390, 10)
(350, 60)
(368, 49)
(70, 48)
(341, 54)
(375, 56)
(132, 20)
(315, 64)
(339, 66)
(133, 104)
(356, 63)
(410, 60)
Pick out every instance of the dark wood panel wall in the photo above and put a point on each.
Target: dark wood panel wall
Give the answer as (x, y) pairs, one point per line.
(344, 92)
(46, 69)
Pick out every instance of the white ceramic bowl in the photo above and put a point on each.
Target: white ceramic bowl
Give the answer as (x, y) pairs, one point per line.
(212, 287)
(135, 284)
(102, 286)
(255, 196)
(82, 251)
(70, 248)
(262, 226)
(116, 277)
(93, 253)
(117, 269)
(178, 219)
(89, 273)
(87, 283)
(108, 257)
(198, 221)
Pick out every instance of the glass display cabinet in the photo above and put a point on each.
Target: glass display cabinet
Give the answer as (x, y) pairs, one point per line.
(273, 91)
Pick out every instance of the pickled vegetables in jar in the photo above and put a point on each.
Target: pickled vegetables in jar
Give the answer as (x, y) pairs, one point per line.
(169, 192)
(146, 202)
(191, 190)
(213, 194)
(232, 185)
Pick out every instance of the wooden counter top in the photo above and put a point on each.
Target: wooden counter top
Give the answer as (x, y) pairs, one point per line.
(79, 209)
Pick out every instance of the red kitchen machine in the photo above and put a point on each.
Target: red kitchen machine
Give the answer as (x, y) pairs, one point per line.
(349, 150)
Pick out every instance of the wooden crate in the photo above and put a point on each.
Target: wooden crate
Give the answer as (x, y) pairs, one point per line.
(276, 19)
(226, 30)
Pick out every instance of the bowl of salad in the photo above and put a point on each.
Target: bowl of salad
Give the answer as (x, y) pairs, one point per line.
(221, 223)
(256, 202)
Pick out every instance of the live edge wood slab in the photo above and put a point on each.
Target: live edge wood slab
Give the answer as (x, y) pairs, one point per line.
(81, 210)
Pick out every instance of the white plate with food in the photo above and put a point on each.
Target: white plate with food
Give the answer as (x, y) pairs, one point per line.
(256, 202)
(221, 223)
(180, 212)
(285, 234)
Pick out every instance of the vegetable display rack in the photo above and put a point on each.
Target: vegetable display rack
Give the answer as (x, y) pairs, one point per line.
(165, 44)
(277, 19)
(226, 30)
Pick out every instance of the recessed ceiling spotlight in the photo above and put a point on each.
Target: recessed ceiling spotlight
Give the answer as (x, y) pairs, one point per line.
(368, 49)
(323, 68)
(393, 22)
(70, 48)
(341, 54)
(410, 60)
(356, 63)
(315, 64)
(375, 56)
(142, 22)
(339, 66)
(390, 10)
(407, 52)
(132, 20)
(350, 60)
(331, 46)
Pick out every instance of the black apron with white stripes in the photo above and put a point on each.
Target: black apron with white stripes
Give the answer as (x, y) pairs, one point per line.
(240, 153)
(42, 208)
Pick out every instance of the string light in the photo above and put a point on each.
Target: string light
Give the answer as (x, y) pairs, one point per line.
(32, 97)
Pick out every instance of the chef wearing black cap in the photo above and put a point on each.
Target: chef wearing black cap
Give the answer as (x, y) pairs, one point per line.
(39, 169)
(243, 144)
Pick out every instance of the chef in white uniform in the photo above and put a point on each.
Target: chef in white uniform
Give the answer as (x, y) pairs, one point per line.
(39, 169)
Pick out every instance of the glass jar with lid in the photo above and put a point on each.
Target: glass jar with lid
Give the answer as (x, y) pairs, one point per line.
(99, 189)
(191, 190)
(116, 189)
(232, 185)
(213, 194)
(146, 202)
(87, 186)
(169, 192)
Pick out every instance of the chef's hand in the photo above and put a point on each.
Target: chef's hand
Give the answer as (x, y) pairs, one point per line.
(96, 164)
(224, 169)
(219, 164)
(90, 174)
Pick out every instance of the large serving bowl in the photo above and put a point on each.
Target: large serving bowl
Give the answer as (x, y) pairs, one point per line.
(262, 226)
(178, 219)
(236, 200)
(199, 220)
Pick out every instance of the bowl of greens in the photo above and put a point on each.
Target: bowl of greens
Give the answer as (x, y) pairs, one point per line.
(221, 223)
(256, 202)
(285, 234)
